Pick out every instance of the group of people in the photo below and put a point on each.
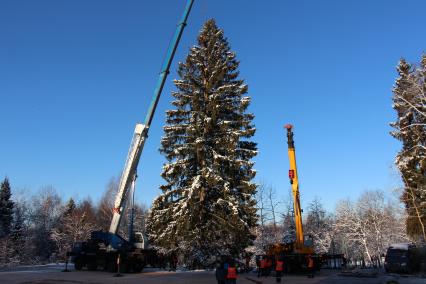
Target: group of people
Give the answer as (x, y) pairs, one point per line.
(226, 272)
(267, 264)
(162, 261)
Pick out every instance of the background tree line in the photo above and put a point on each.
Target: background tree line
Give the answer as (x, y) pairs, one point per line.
(42, 228)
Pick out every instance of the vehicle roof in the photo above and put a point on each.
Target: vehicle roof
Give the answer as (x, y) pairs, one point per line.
(402, 246)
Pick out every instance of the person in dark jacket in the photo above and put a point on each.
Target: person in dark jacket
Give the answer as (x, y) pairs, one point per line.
(268, 266)
(221, 273)
(258, 259)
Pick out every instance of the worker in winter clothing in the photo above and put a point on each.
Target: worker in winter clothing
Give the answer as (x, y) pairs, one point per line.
(268, 266)
(279, 268)
(258, 266)
(221, 273)
(311, 268)
(231, 276)
(262, 267)
(247, 268)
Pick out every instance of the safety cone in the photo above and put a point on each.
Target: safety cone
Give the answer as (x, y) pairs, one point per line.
(118, 274)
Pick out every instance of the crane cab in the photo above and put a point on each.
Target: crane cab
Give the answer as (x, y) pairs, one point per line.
(140, 241)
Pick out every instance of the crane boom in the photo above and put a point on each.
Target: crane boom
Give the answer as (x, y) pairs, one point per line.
(167, 62)
(128, 175)
(141, 130)
(292, 173)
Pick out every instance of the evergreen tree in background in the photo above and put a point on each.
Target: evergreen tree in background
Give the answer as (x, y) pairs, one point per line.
(207, 207)
(319, 225)
(17, 235)
(69, 208)
(409, 101)
(75, 223)
(6, 208)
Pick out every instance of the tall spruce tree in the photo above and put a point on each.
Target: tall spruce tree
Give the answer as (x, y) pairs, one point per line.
(6, 208)
(207, 207)
(409, 101)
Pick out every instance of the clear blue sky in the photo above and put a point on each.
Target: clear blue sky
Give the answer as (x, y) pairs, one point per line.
(75, 77)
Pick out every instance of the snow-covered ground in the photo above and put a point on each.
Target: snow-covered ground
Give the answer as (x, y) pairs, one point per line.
(39, 267)
(52, 273)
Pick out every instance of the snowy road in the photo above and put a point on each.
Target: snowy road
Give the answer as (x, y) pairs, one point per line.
(49, 274)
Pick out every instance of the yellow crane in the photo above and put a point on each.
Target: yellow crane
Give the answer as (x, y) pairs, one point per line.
(294, 253)
(299, 245)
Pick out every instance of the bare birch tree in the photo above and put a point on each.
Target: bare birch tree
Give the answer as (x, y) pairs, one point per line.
(76, 224)
(274, 202)
(369, 225)
(106, 204)
(45, 210)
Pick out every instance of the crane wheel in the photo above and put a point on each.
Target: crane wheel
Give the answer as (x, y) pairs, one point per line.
(111, 266)
(92, 266)
(124, 268)
(78, 265)
(138, 267)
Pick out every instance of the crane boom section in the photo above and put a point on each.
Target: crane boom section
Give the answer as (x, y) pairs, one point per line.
(128, 175)
(167, 62)
(141, 130)
(295, 189)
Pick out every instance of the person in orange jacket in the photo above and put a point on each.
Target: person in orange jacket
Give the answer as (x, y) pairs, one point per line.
(279, 268)
(262, 267)
(231, 276)
(311, 268)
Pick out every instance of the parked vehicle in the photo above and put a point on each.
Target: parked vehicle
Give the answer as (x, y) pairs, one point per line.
(405, 258)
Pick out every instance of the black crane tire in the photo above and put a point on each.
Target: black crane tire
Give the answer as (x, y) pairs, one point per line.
(138, 267)
(112, 266)
(92, 266)
(78, 264)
